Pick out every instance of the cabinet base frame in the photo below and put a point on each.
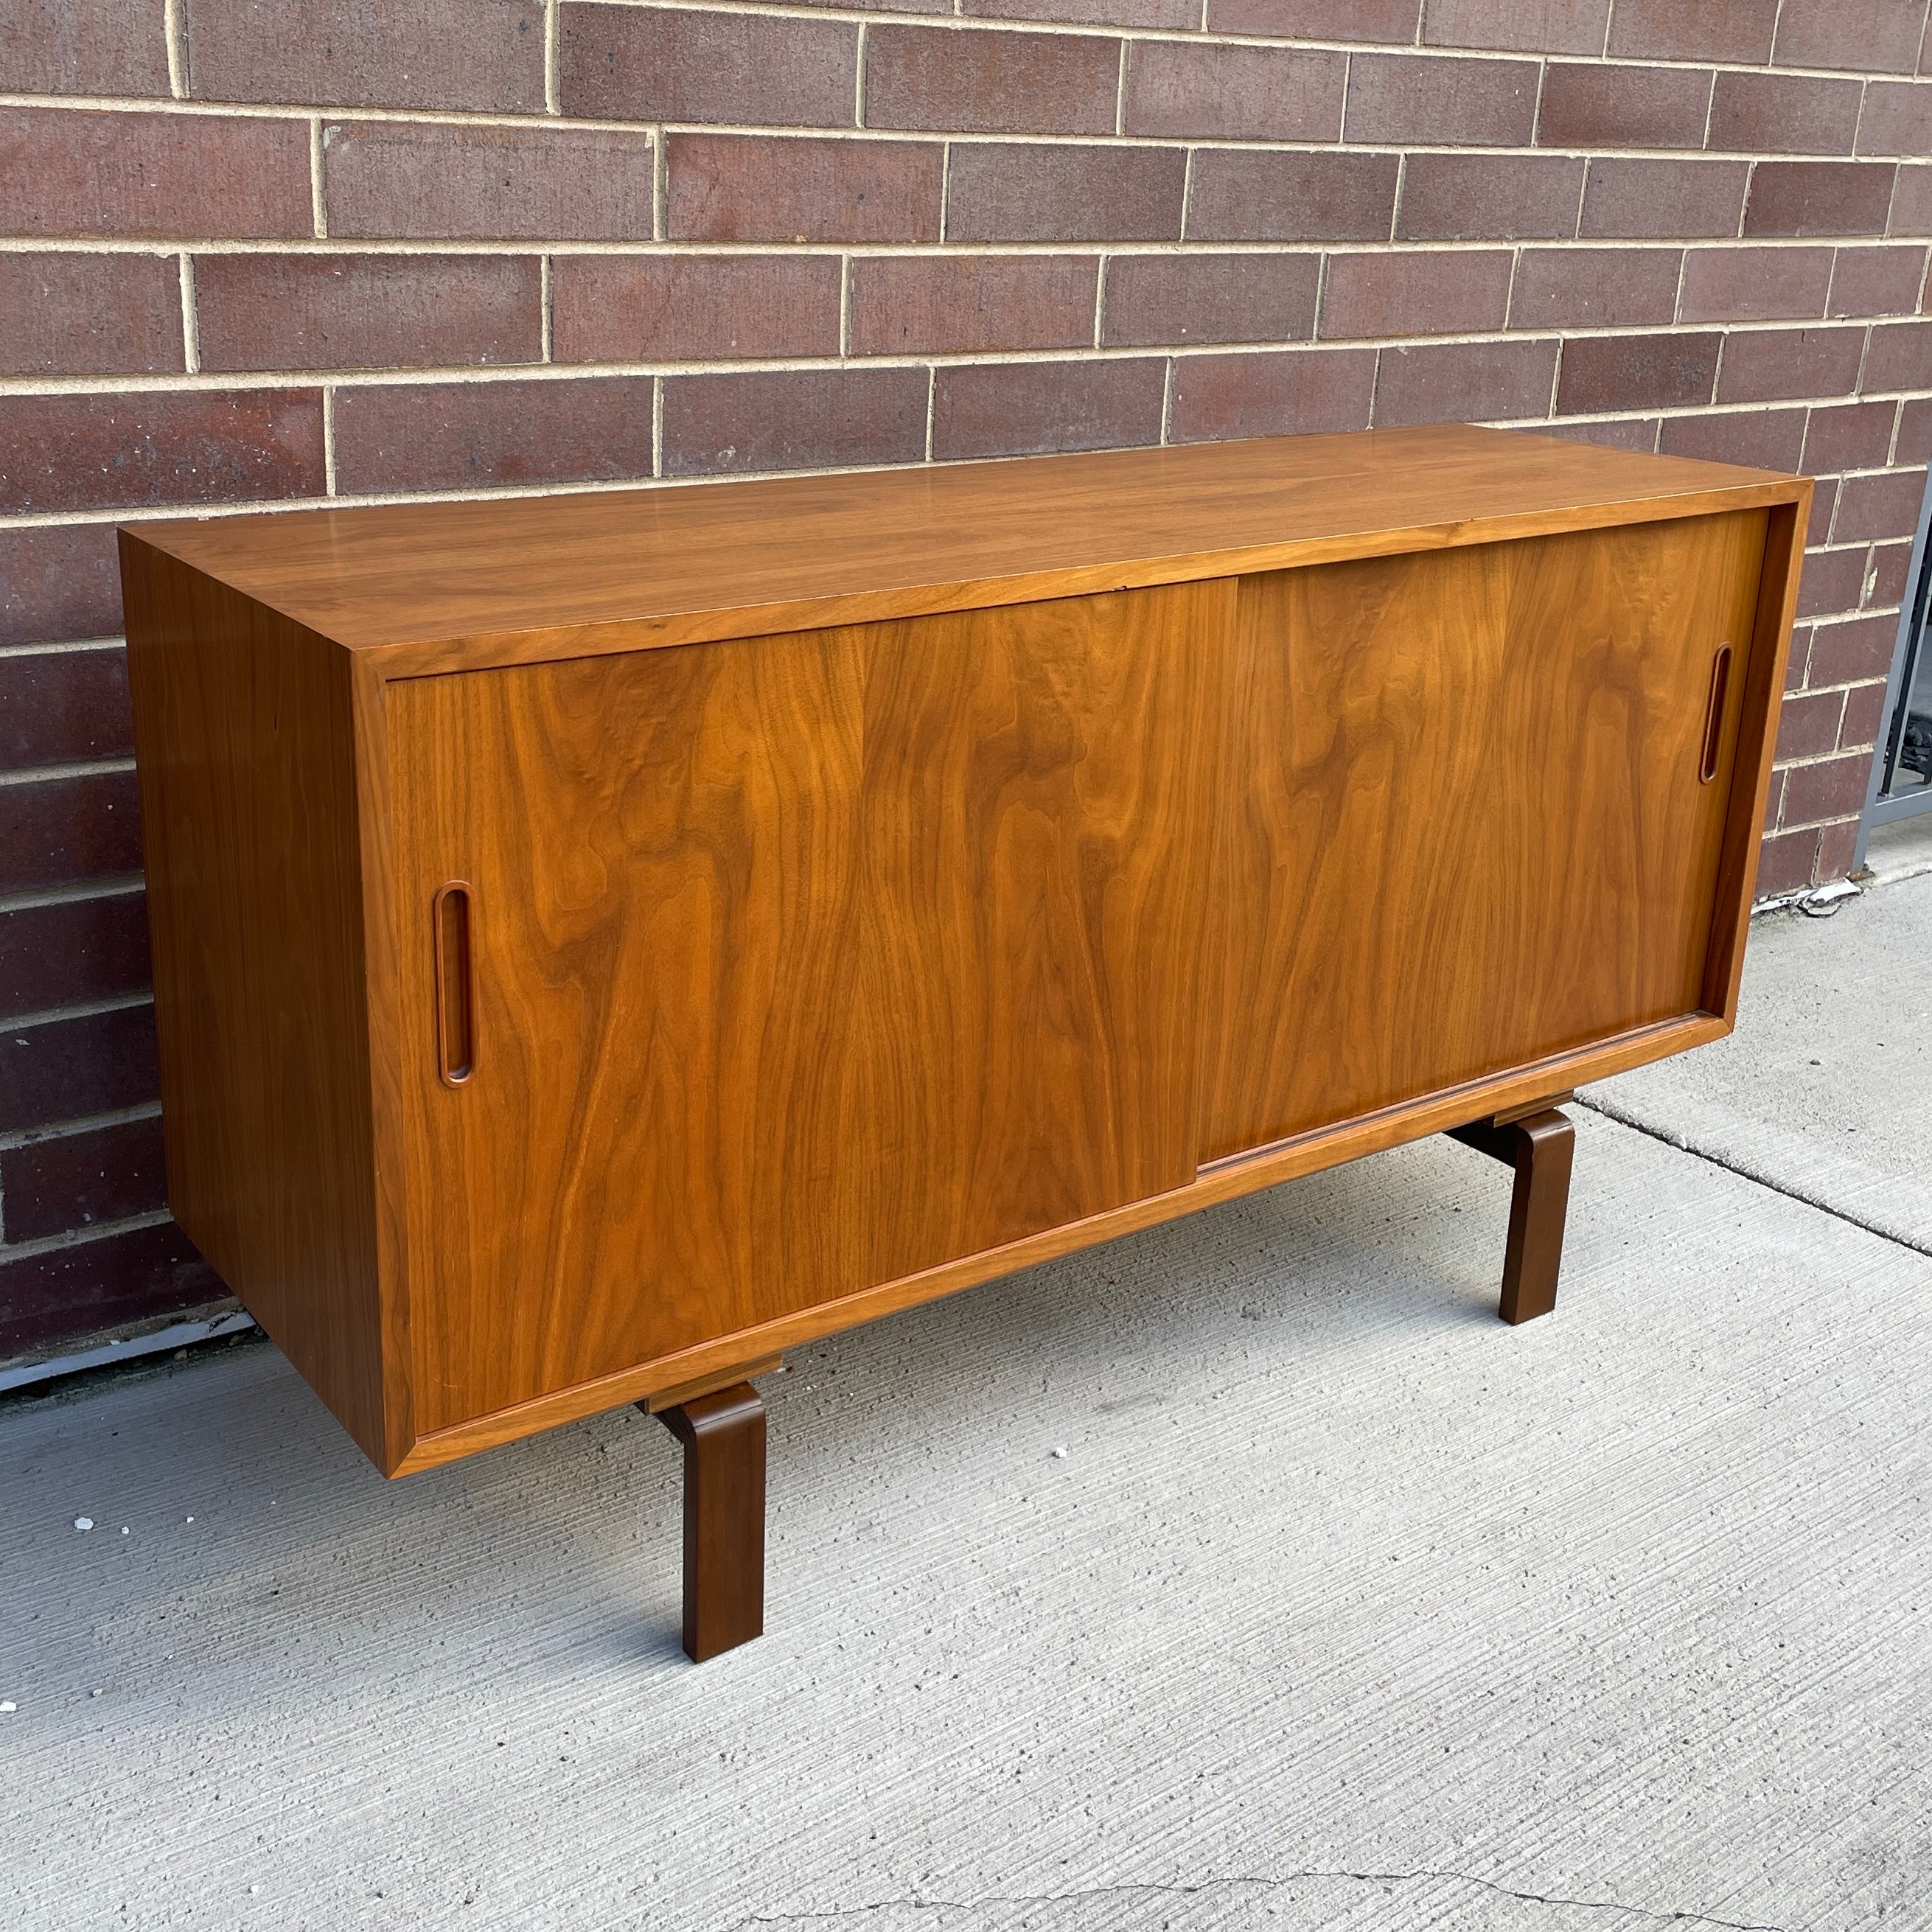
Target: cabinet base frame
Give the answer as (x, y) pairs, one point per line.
(1539, 1146)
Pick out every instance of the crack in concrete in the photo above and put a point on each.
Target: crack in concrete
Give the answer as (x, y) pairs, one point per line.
(916, 1903)
(1665, 1139)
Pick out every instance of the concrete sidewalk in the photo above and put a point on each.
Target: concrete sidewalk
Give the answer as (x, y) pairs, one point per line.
(1346, 1607)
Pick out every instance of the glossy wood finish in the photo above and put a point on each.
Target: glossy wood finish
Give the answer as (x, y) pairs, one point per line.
(818, 972)
(1473, 828)
(801, 965)
(255, 906)
(440, 587)
(1539, 1147)
(724, 1438)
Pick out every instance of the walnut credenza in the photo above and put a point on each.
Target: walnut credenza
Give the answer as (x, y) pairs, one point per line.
(600, 941)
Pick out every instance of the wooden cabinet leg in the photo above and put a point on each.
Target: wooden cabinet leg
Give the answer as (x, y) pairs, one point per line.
(1539, 1147)
(724, 1438)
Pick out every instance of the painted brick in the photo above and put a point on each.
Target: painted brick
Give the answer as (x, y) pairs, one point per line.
(671, 308)
(437, 181)
(1488, 198)
(951, 79)
(72, 952)
(60, 707)
(1914, 432)
(1463, 382)
(1897, 118)
(685, 63)
(1662, 200)
(82, 46)
(1808, 726)
(1601, 107)
(1837, 846)
(1737, 30)
(1014, 192)
(1517, 26)
(58, 580)
(1872, 508)
(1611, 372)
(1785, 861)
(66, 172)
(1460, 293)
(1900, 357)
(94, 452)
(1198, 91)
(73, 1293)
(1595, 288)
(1756, 284)
(76, 314)
(58, 832)
(1864, 718)
(367, 311)
(793, 419)
(1760, 438)
(1762, 364)
(69, 1070)
(1638, 433)
(1877, 281)
(80, 1180)
(1818, 198)
(1911, 203)
(1862, 648)
(1824, 507)
(1256, 197)
(1784, 114)
(1018, 409)
(465, 436)
(1833, 581)
(965, 304)
(1796, 661)
(1891, 566)
(1851, 436)
(1183, 14)
(1391, 23)
(1870, 36)
(1154, 300)
(744, 188)
(1440, 101)
(1296, 392)
(480, 54)
(1827, 790)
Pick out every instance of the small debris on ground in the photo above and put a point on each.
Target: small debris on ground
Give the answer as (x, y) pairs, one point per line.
(83, 1522)
(9, 1705)
(1059, 1452)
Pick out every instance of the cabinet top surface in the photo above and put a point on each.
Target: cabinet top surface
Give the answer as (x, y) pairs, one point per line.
(676, 564)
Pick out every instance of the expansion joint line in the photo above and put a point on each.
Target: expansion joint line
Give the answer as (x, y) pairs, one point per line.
(919, 1902)
(1768, 1181)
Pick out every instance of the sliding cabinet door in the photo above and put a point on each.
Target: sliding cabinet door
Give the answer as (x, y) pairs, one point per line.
(739, 977)
(1477, 802)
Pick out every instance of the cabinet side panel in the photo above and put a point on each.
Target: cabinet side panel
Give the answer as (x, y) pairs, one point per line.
(1470, 826)
(244, 742)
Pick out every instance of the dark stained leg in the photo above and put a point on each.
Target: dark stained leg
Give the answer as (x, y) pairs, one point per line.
(1538, 1147)
(724, 1438)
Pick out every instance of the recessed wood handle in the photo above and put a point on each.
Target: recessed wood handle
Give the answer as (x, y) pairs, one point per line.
(455, 984)
(1713, 715)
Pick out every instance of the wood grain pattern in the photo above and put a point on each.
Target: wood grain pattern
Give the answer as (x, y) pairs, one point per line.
(1037, 856)
(439, 586)
(1521, 1088)
(255, 905)
(801, 965)
(1473, 831)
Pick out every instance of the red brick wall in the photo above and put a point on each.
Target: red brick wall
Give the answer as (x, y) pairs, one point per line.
(266, 252)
